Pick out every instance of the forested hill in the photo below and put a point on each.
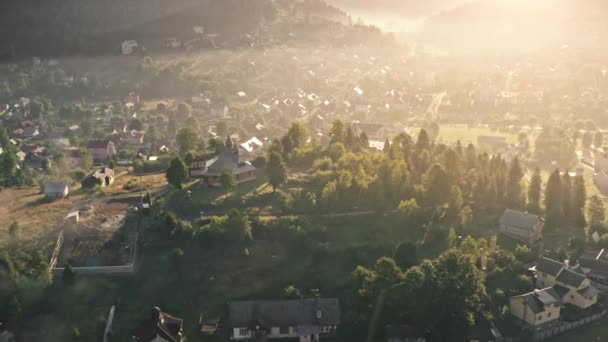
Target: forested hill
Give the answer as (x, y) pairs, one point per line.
(519, 23)
(61, 27)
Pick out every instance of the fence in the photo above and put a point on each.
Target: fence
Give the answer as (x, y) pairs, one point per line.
(127, 269)
(562, 327)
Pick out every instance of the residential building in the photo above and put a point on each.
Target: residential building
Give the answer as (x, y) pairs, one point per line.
(522, 226)
(31, 131)
(135, 137)
(228, 159)
(307, 320)
(537, 308)
(101, 150)
(159, 327)
(547, 271)
(103, 177)
(251, 146)
(594, 264)
(73, 157)
(56, 190)
(198, 167)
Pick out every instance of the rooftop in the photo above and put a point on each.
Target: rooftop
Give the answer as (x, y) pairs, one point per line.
(271, 313)
(520, 219)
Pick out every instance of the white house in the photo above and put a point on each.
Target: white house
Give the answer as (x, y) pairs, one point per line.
(56, 190)
(128, 47)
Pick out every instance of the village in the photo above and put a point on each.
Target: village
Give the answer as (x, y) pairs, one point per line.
(261, 187)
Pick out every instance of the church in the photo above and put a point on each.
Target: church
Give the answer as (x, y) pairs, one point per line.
(229, 158)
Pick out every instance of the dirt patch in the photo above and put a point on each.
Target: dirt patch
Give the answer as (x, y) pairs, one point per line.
(102, 237)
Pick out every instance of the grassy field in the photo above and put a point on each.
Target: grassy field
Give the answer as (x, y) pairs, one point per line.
(466, 135)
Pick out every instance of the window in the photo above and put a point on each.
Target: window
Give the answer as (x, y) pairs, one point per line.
(571, 296)
(540, 317)
(283, 330)
(243, 332)
(549, 315)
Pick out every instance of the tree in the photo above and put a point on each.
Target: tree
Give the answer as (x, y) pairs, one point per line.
(337, 132)
(350, 140)
(177, 173)
(68, 275)
(14, 232)
(387, 146)
(406, 254)
(553, 200)
(292, 292)
(363, 140)
(136, 124)
(276, 169)
(567, 197)
(534, 190)
(184, 110)
(436, 185)
(596, 212)
(187, 138)
(176, 258)
(227, 178)
(238, 226)
(598, 140)
(579, 197)
(586, 141)
(295, 137)
(222, 129)
(423, 141)
(514, 185)
(4, 137)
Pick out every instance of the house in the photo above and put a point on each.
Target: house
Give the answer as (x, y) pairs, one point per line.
(102, 177)
(403, 333)
(218, 110)
(547, 271)
(159, 327)
(537, 308)
(307, 320)
(56, 190)
(73, 157)
(5, 335)
(131, 98)
(35, 161)
(31, 131)
(228, 159)
(521, 226)
(251, 146)
(135, 137)
(198, 167)
(129, 46)
(101, 150)
(594, 264)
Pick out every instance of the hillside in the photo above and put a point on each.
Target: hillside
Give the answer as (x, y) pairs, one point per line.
(518, 24)
(62, 27)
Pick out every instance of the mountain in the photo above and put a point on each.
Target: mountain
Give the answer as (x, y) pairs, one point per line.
(519, 24)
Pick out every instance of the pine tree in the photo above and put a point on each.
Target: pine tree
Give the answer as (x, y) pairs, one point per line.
(596, 213)
(423, 142)
(514, 185)
(363, 140)
(598, 140)
(534, 190)
(387, 146)
(567, 197)
(553, 200)
(177, 173)
(276, 169)
(579, 197)
(437, 185)
(350, 140)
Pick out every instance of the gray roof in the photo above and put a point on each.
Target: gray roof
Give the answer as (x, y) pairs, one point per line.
(549, 266)
(561, 291)
(597, 268)
(283, 313)
(55, 187)
(519, 219)
(570, 278)
(537, 299)
(589, 292)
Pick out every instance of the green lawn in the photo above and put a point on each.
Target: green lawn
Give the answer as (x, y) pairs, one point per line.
(453, 133)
